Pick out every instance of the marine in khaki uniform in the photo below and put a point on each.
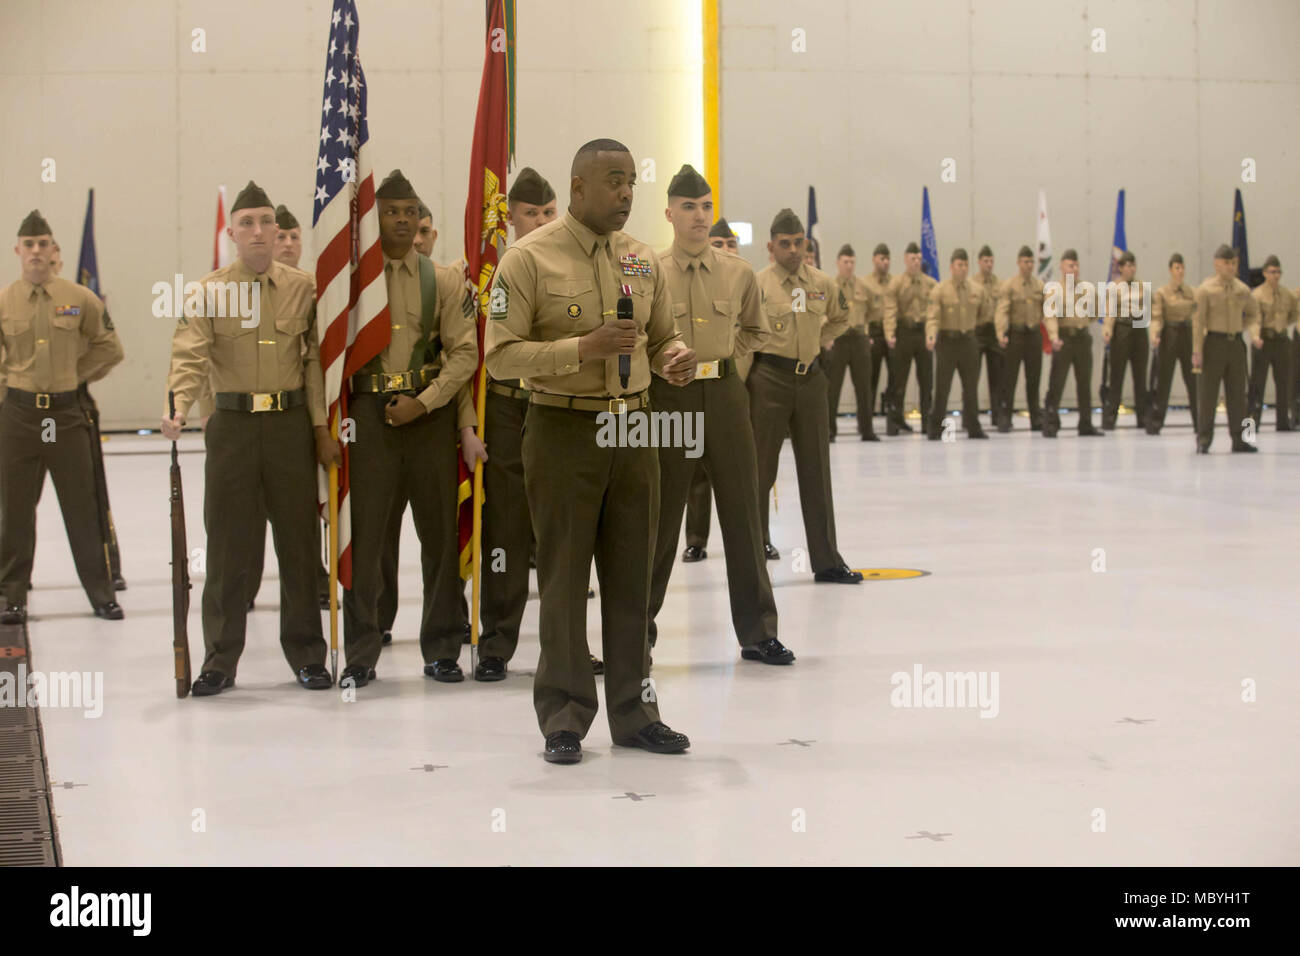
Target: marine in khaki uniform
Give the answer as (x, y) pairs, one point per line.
(1224, 309)
(264, 440)
(787, 389)
(1128, 346)
(54, 339)
(957, 306)
(876, 283)
(716, 310)
(1071, 339)
(906, 303)
(699, 500)
(1019, 312)
(404, 404)
(553, 321)
(1277, 312)
(1171, 342)
(852, 350)
(991, 349)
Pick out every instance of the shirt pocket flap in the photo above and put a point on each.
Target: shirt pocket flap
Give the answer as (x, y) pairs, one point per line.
(67, 322)
(568, 288)
(723, 307)
(291, 324)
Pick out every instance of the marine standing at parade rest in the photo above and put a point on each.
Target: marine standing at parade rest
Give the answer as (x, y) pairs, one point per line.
(906, 303)
(1071, 337)
(1019, 313)
(715, 305)
(1224, 309)
(787, 389)
(991, 348)
(55, 337)
(264, 440)
(1277, 312)
(1128, 346)
(553, 321)
(852, 350)
(1171, 339)
(957, 306)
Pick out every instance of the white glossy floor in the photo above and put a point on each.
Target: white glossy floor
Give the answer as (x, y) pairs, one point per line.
(1118, 691)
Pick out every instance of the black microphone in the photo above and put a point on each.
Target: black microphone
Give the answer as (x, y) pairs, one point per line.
(624, 361)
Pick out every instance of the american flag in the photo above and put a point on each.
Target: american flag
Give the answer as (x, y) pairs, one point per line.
(351, 296)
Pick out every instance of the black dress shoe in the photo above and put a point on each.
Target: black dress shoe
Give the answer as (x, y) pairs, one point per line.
(870, 436)
(933, 436)
(315, 677)
(1091, 432)
(1284, 428)
(770, 552)
(1244, 446)
(904, 427)
(360, 676)
(1153, 429)
(1004, 427)
(119, 583)
(980, 433)
(597, 665)
(490, 668)
(1202, 447)
(770, 651)
(563, 746)
(841, 575)
(112, 611)
(210, 683)
(694, 553)
(386, 637)
(445, 670)
(658, 738)
(891, 430)
(14, 614)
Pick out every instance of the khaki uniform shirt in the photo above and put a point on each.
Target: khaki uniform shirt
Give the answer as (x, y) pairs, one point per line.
(1172, 305)
(877, 301)
(801, 335)
(1020, 304)
(562, 281)
(456, 327)
(1081, 318)
(1223, 308)
(1127, 305)
(281, 353)
(908, 299)
(53, 337)
(992, 288)
(856, 295)
(1277, 310)
(957, 307)
(727, 322)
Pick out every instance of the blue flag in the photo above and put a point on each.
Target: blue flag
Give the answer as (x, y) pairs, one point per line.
(815, 236)
(87, 267)
(1119, 245)
(929, 248)
(1239, 238)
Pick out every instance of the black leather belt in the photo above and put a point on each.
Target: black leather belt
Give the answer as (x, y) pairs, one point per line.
(577, 403)
(718, 368)
(1270, 333)
(1024, 329)
(43, 399)
(384, 382)
(508, 391)
(953, 333)
(1070, 332)
(1220, 335)
(259, 401)
(786, 364)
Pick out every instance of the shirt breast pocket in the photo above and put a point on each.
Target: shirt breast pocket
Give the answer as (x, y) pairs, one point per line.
(570, 303)
(16, 328)
(67, 323)
(778, 316)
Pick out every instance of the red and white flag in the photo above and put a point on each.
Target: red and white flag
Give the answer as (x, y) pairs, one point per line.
(221, 255)
(351, 296)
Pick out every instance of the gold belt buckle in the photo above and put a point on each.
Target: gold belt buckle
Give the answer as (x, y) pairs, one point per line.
(42, 400)
(706, 370)
(617, 406)
(801, 368)
(397, 381)
(266, 401)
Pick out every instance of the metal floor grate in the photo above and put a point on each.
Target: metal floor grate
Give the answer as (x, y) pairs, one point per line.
(27, 835)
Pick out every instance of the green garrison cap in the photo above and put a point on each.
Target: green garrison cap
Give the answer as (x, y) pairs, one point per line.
(284, 218)
(1025, 251)
(425, 212)
(1070, 254)
(35, 225)
(396, 186)
(1225, 251)
(911, 247)
(881, 249)
(1176, 257)
(530, 187)
(722, 228)
(1272, 261)
(985, 251)
(688, 184)
(786, 223)
(251, 197)
(846, 250)
(959, 253)
(1126, 257)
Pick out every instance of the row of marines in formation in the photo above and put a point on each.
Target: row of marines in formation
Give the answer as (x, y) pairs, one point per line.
(706, 334)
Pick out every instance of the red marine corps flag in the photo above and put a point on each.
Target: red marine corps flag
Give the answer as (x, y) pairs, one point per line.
(351, 296)
(485, 241)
